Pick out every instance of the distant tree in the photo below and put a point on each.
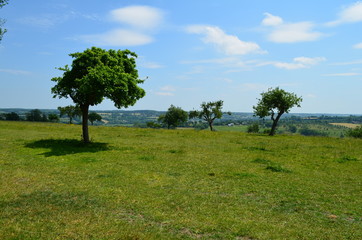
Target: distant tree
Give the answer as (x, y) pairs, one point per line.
(253, 128)
(53, 117)
(96, 74)
(13, 116)
(2, 21)
(36, 116)
(274, 103)
(355, 132)
(70, 111)
(153, 125)
(292, 129)
(173, 117)
(93, 116)
(209, 112)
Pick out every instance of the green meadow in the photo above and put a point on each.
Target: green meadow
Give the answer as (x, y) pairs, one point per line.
(133, 183)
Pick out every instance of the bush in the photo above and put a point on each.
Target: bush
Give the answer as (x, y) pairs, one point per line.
(355, 132)
(254, 128)
(311, 132)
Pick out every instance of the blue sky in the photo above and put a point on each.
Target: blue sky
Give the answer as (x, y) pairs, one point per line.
(191, 51)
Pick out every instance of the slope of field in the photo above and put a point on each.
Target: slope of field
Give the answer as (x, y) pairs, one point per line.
(173, 184)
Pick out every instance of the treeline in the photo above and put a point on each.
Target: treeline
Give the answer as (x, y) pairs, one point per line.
(34, 115)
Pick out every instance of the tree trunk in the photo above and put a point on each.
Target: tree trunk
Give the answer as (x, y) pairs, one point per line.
(85, 109)
(275, 123)
(210, 125)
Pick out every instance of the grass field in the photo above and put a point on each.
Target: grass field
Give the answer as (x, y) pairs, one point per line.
(174, 184)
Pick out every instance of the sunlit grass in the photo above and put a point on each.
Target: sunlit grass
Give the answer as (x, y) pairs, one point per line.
(174, 184)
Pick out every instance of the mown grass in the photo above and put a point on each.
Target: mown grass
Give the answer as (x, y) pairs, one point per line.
(173, 184)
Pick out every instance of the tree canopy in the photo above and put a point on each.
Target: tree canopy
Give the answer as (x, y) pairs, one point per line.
(274, 103)
(209, 112)
(96, 74)
(173, 117)
(2, 21)
(70, 111)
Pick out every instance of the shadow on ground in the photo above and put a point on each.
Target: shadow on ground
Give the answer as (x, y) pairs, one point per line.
(59, 147)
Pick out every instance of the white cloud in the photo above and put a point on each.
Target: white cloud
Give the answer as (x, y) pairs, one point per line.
(350, 14)
(341, 74)
(281, 32)
(15, 72)
(298, 63)
(167, 91)
(144, 17)
(228, 44)
(139, 20)
(118, 37)
(358, 46)
(271, 20)
(168, 88)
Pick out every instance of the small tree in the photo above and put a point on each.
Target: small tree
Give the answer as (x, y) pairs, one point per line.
(70, 111)
(13, 116)
(274, 103)
(253, 128)
(209, 112)
(36, 116)
(53, 117)
(174, 117)
(96, 74)
(93, 116)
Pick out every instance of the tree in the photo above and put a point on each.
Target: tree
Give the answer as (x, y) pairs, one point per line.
(13, 116)
(274, 103)
(96, 74)
(36, 116)
(53, 117)
(70, 111)
(93, 116)
(355, 132)
(253, 128)
(209, 112)
(2, 21)
(174, 117)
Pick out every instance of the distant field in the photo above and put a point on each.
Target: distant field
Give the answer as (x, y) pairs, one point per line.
(133, 183)
(348, 125)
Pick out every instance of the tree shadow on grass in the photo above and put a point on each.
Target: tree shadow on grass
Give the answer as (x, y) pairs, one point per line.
(59, 147)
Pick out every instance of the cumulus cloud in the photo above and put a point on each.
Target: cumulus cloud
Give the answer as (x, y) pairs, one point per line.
(228, 44)
(139, 22)
(358, 46)
(350, 14)
(298, 63)
(144, 17)
(281, 32)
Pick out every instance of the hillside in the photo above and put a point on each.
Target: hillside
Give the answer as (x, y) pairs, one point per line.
(134, 183)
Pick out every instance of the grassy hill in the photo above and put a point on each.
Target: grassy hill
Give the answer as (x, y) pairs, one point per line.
(133, 183)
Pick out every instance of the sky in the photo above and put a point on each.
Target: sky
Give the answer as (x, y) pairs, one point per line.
(191, 51)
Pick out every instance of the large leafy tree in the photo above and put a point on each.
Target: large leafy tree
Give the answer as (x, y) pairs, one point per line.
(2, 21)
(173, 117)
(96, 74)
(274, 103)
(209, 112)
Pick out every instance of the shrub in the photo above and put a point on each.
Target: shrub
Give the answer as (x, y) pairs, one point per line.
(355, 132)
(311, 132)
(253, 128)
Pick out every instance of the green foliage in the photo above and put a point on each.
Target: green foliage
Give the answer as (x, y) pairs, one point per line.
(173, 117)
(36, 116)
(274, 103)
(96, 74)
(2, 21)
(12, 116)
(93, 116)
(209, 112)
(53, 117)
(70, 111)
(305, 131)
(253, 128)
(153, 125)
(355, 132)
